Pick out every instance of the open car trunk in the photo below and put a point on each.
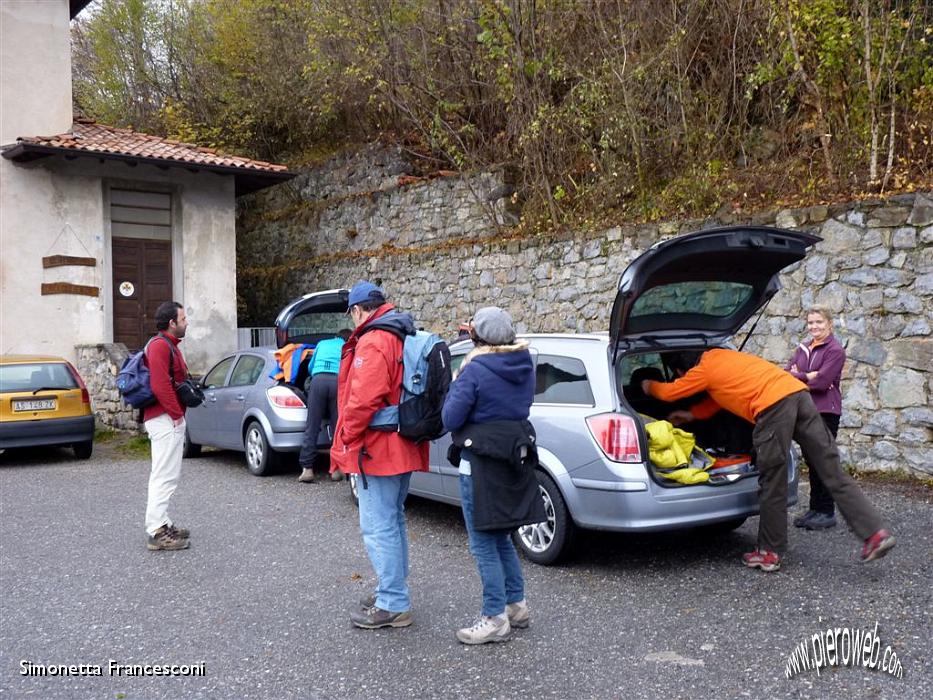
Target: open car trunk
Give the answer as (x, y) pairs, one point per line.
(724, 437)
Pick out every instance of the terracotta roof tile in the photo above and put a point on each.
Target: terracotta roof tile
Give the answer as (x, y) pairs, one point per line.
(89, 136)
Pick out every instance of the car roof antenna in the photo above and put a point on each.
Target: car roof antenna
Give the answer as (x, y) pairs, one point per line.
(752, 329)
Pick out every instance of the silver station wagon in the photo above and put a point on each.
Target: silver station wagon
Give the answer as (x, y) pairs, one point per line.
(688, 293)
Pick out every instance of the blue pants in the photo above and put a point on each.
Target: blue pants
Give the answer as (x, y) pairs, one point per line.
(382, 522)
(496, 558)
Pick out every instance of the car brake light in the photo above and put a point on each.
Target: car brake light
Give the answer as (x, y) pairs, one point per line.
(617, 436)
(284, 398)
(85, 397)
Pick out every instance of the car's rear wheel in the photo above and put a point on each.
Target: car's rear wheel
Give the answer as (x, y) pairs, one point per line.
(550, 541)
(261, 459)
(190, 449)
(83, 450)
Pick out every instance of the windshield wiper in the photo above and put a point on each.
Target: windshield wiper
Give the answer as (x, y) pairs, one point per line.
(51, 388)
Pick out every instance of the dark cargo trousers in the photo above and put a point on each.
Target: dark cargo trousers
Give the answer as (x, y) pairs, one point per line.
(820, 500)
(795, 417)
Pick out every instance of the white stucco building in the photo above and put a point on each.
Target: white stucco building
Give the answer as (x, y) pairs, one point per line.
(98, 225)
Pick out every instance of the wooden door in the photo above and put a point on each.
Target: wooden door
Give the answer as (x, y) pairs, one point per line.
(142, 279)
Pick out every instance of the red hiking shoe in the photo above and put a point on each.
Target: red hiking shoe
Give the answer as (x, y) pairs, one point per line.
(877, 545)
(762, 559)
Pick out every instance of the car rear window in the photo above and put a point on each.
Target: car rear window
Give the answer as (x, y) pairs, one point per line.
(711, 298)
(318, 324)
(32, 376)
(562, 380)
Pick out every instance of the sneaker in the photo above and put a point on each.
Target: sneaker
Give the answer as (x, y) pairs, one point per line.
(306, 476)
(762, 559)
(486, 629)
(336, 475)
(519, 618)
(801, 520)
(820, 521)
(165, 538)
(877, 545)
(374, 618)
(181, 533)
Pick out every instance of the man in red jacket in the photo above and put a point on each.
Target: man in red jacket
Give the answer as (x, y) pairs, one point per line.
(165, 423)
(370, 378)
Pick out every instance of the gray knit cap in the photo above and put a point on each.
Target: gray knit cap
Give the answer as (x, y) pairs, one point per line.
(494, 326)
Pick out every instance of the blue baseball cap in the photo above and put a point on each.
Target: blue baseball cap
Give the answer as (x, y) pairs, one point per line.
(363, 292)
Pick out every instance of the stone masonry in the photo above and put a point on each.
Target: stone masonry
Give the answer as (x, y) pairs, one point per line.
(443, 247)
(98, 366)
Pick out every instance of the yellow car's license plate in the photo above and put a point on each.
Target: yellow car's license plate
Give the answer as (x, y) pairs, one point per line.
(34, 405)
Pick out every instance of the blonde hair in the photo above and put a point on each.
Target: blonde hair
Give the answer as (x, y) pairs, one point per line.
(822, 311)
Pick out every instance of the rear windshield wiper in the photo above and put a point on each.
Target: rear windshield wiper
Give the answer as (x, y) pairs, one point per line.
(51, 388)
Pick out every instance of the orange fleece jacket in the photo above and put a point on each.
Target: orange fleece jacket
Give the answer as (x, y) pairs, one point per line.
(742, 384)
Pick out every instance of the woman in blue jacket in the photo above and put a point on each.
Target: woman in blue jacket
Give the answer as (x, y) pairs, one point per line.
(495, 383)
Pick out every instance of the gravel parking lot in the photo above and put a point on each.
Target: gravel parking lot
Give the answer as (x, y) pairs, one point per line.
(261, 599)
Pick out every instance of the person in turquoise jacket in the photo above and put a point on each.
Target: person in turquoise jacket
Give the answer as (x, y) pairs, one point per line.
(322, 400)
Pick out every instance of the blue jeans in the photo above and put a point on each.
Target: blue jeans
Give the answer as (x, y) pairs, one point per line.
(496, 558)
(382, 522)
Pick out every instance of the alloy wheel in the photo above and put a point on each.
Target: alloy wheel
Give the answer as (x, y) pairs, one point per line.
(539, 537)
(254, 448)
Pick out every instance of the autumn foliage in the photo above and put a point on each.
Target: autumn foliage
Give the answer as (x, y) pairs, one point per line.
(647, 107)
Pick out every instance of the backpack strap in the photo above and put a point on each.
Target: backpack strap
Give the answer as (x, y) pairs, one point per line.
(171, 357)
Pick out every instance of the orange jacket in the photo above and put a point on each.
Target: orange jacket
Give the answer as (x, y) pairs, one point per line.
(370, 378)
(286, 357)
(742, 384)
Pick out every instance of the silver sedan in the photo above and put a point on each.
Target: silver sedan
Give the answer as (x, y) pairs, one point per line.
(245, 409)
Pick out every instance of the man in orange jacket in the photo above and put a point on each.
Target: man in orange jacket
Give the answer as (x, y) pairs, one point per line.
(781, 409)
(370, 378)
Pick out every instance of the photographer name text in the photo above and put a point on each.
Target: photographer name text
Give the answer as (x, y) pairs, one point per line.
(112, 668)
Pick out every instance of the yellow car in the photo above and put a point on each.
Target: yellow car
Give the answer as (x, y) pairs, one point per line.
(44, 401)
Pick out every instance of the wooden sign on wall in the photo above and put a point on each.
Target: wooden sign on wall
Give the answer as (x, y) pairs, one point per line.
(63, 260)
(68, 288)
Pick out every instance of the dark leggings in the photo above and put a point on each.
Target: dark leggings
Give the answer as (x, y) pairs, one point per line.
(820, 500)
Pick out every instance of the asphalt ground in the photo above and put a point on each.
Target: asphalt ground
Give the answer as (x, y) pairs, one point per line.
(262, 598)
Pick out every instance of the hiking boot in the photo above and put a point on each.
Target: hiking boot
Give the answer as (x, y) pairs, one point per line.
(368, 601)
(801, 520)
(181, 533)
(486, 629)
(336, 475)
(306, 476)
(373, 618)
(877, 545)
(762, 559)
(165, 538)
(820, 521)
(518, 615)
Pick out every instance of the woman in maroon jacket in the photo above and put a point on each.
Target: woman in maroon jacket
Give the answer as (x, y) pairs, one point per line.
(819, 364)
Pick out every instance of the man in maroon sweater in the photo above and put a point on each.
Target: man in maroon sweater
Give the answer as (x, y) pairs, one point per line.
(165, 424)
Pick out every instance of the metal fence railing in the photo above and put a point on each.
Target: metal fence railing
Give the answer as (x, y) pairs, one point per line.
(254, 337)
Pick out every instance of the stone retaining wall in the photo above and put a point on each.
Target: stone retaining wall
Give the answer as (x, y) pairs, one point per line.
(441, 250)
(98, 366)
